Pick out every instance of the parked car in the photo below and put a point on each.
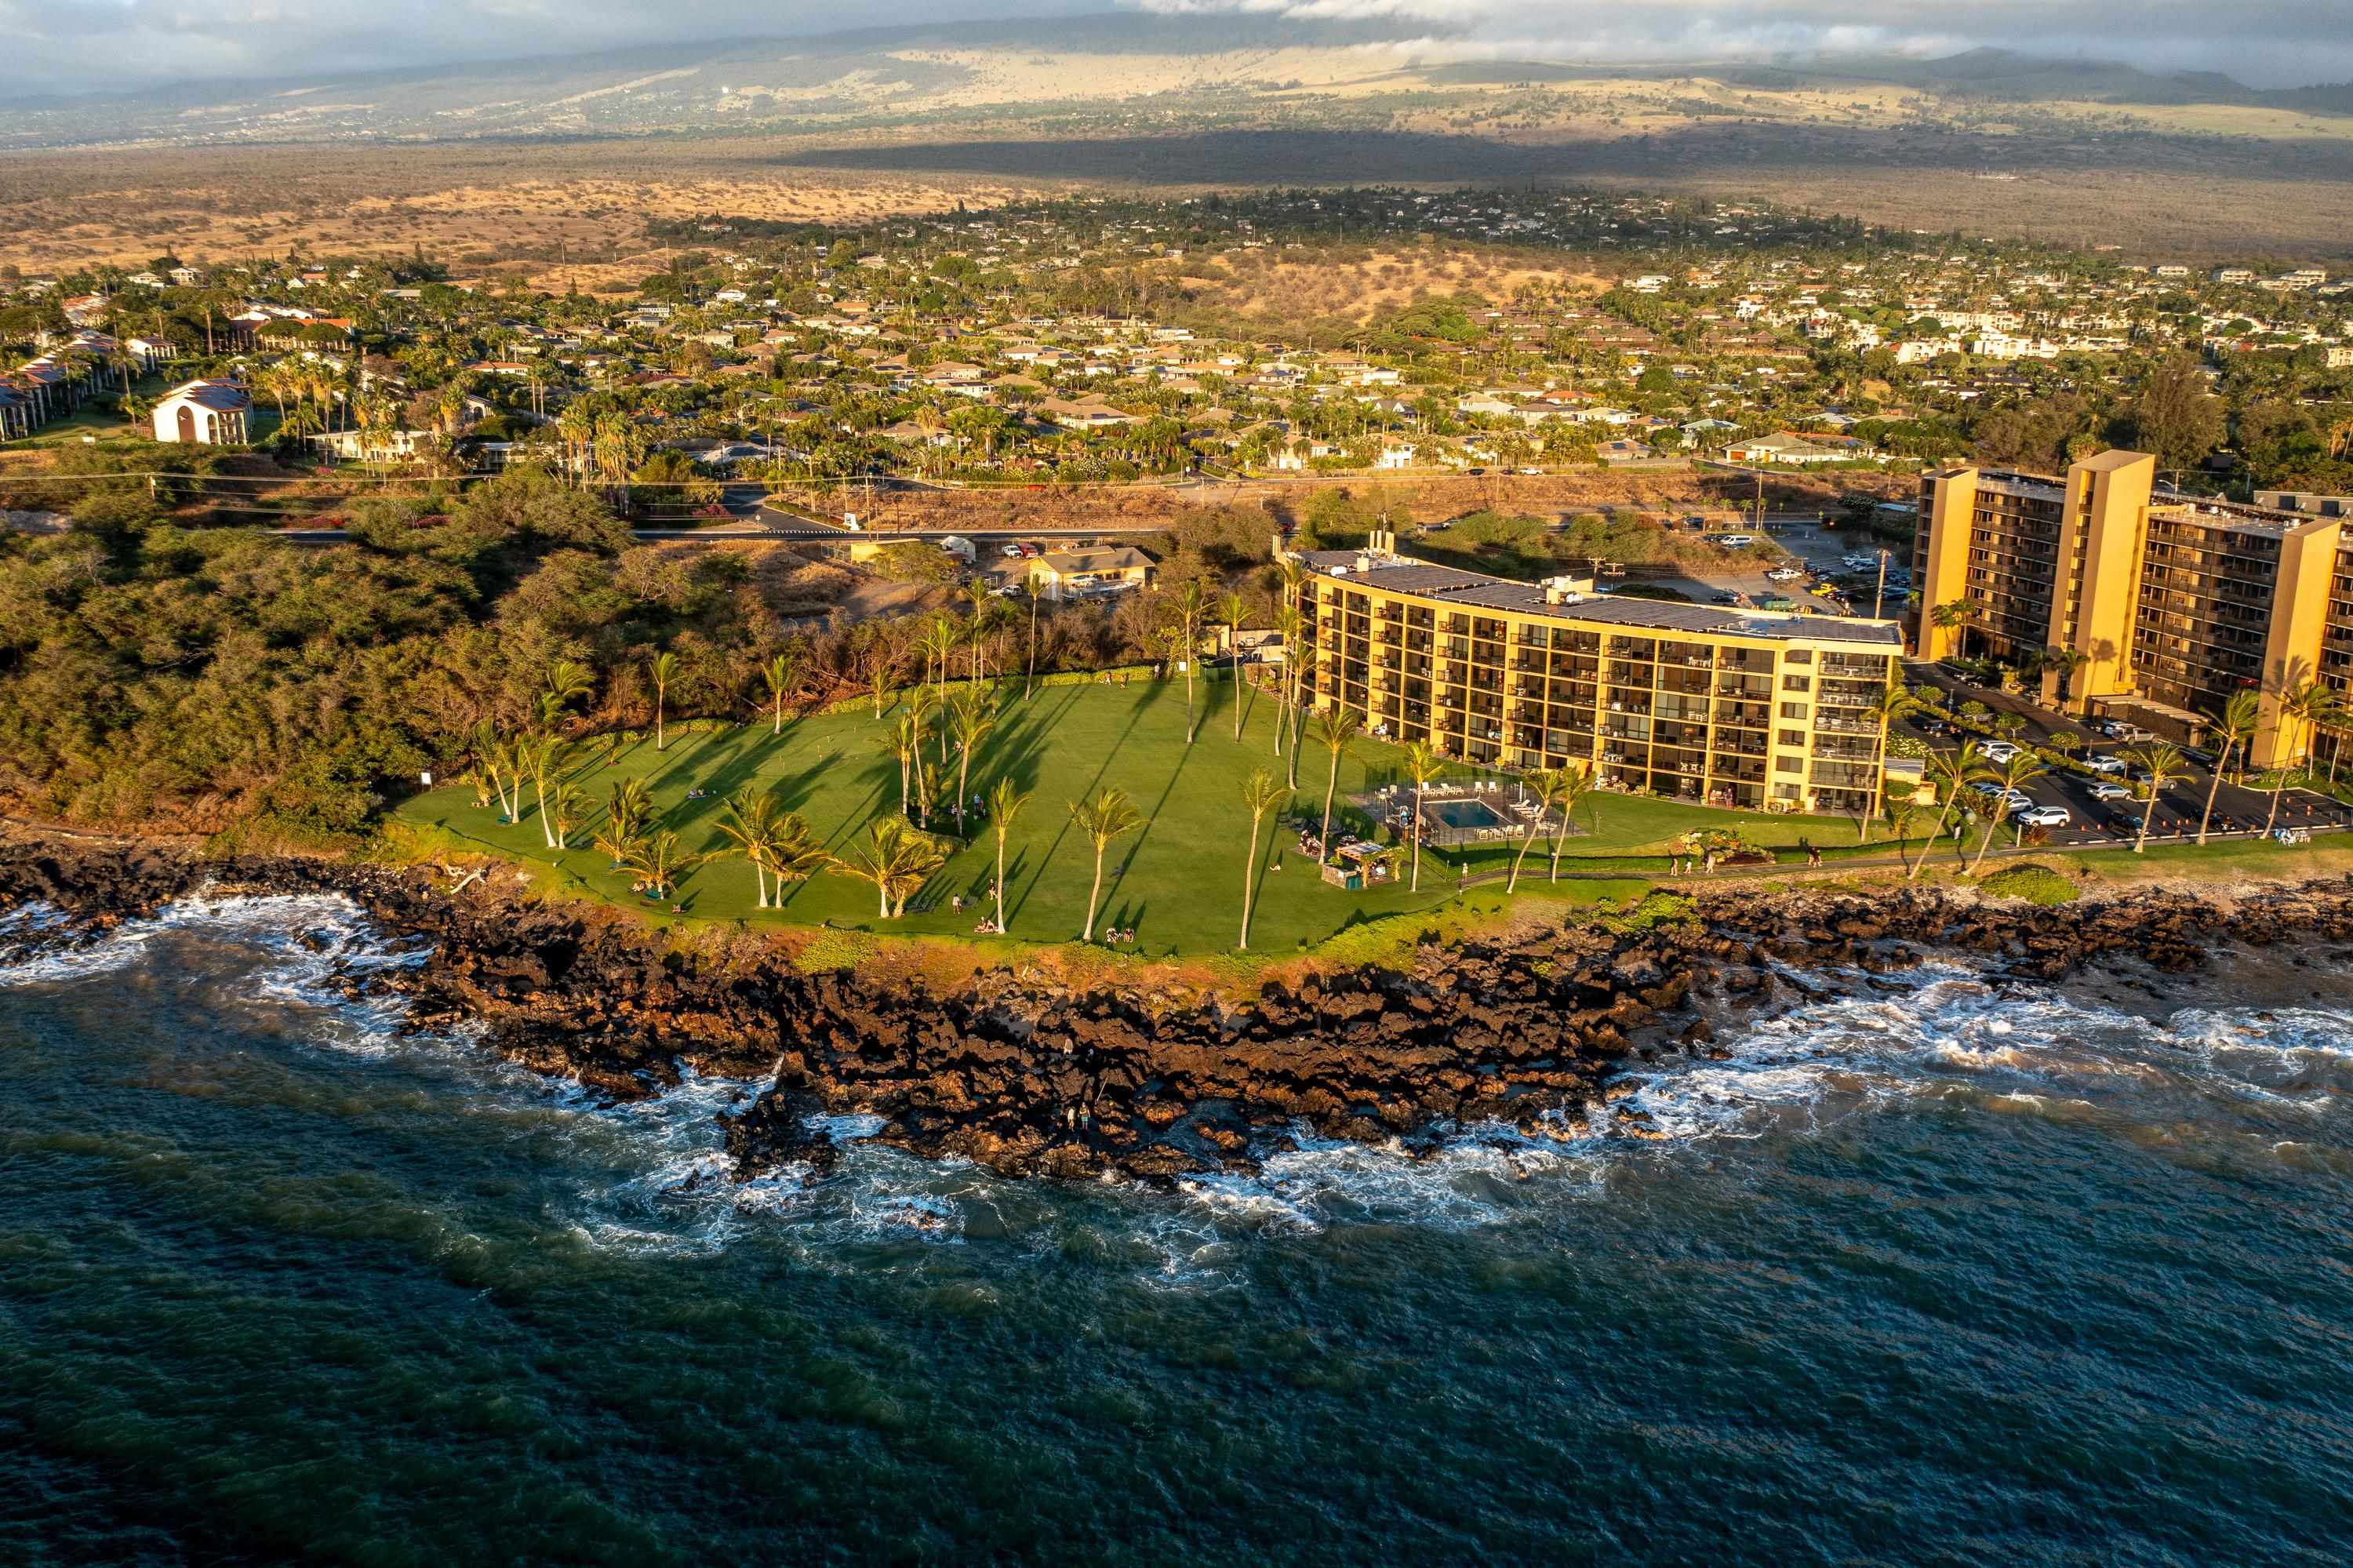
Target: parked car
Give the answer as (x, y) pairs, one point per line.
(2046, 817)
(1725, 598)
(2105, 764)
(1735, 541)
(2109, 789)
(1783, 575)
(1012, 552)
(1998, 750)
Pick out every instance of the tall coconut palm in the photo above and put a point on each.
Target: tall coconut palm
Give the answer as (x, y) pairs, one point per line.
(1892, 703)
(494, 758)
(541, 759)
(663, 668)
(1261, 793)
(750, 827)
(2233, 729)
(1952, 772)
(1006, 799)
(2013, 774)
(563, 813)
(1334, 727)
(1032, 592)
(1288, 625)
(1422, 764)
(1106, 819)
(983, 620)
(1545, 785)
(1232, 610)
(661, 861)
(896, 859)
(905, 741)
(971, 722)
(2164, 765)
(1580, 786)
(778, 674)
(1187, 607)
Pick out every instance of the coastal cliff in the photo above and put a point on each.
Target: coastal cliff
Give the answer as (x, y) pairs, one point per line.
(1034, 1079)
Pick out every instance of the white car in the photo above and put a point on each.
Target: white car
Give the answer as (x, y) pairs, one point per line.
(2109, 789)
(1998, 750)
(1783, 575)
(2046, 817)
(1012, 552)
(2109, 764)
(2017, 801)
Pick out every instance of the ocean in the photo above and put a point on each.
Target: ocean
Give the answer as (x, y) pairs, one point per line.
(1948, 1270)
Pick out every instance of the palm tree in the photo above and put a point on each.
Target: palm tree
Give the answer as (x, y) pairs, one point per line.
(1546, 785)
(1261, 793)
(1105, 819)
(661, 862)
(663, 667)
(904, 740)
(495, 759)
(1233, 611)
(1897, 811)
(778, 674)
(2235, 728)
(1030, 591)
(1421, 765)
(1006, 799)
(1577, 786)
(1184, 635)
(1334, 726)
(896, 859)
(984, 606)
(1951, 773)
(752, 829)
(1892, 703)
(2015, 773)
(970, 720)
(540, 759)
(1289, 624)
(2165, 764)
(563, 814)
(1951, 616)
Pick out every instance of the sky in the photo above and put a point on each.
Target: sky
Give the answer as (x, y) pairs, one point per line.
(79, 45)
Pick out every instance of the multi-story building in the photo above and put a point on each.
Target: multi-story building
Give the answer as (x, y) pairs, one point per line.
(1724, 707)
(2139, 601)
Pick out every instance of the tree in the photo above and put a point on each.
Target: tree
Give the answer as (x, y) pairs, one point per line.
(1105, 819)
(661, 862)
(2174, 418)
(663, 668)
(2013, 774)
(1421, 765)
(1951, 773)
(896, 859)
(778, 674)
(1261, 793)
(905, 741)
(1233, 611)
(1580, 785)
(1288, 625)
(1334, 727)
(777, 843)
(2164, 765)
(1006, 799)
(1898, 811)
(1547, 785)
(1892, 703)
(1187, 606)
(1955, 615)
(970, 721)
(1031, 591)
(2233, 729)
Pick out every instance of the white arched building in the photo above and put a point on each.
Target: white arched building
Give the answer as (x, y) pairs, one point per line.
(209, 413)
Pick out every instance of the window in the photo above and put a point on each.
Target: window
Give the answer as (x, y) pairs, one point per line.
(1795, 683)
(1799, 656)
(1793, 711)
(1796, 737)
(1788, 765)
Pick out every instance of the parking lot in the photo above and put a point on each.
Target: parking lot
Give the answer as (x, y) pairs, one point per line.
(1816, 550)
(2239, 811)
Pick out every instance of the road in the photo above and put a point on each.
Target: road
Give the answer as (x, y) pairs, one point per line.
(2238, 810)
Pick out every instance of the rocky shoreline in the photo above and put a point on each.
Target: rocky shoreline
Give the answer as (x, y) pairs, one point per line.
(1029, 1080)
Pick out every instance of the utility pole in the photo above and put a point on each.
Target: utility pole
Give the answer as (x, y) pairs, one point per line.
(1879, 593)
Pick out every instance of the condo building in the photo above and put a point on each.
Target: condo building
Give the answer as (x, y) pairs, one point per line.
(2145, 603)
(1716, 707)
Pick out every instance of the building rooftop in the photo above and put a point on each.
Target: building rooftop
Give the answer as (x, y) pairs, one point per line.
(1476, 591)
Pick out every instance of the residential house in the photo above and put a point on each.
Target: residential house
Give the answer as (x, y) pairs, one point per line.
(206, 413)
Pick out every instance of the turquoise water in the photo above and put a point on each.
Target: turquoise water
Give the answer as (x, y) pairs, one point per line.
(1461, 813)
(1950, 1275)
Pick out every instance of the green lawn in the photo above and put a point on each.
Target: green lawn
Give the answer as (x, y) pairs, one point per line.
(1177, 882)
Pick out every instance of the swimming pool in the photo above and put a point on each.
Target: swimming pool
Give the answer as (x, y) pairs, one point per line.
(1461, 813)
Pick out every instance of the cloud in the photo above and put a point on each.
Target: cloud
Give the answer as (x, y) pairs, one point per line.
(77, 46)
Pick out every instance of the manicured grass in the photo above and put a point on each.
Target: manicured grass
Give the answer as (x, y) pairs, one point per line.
(1177, 882)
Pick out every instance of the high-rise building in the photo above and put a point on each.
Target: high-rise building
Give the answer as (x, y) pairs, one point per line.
(1731, 708)
(2139, 601)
